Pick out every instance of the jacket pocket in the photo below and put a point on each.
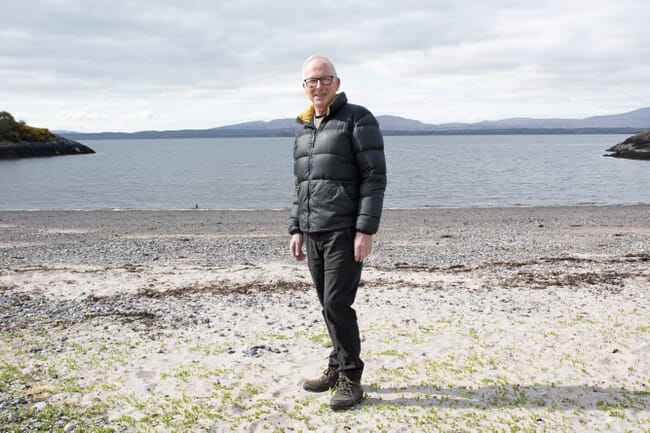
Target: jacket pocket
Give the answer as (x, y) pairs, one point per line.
(336, 197)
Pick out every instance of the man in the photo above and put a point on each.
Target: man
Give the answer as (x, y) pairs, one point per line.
(340, 173)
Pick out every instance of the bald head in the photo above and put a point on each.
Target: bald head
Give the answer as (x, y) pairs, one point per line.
(318, 59)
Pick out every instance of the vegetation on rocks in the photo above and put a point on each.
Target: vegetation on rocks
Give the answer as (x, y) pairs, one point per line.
(19, 140)
(18, 131)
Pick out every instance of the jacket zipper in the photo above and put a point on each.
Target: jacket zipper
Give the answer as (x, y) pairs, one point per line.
(311, 153)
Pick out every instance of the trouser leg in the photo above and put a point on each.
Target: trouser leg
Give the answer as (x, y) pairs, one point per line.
(336, 275)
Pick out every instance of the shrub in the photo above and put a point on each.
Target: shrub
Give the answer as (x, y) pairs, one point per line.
(7, 122)
(10, 130)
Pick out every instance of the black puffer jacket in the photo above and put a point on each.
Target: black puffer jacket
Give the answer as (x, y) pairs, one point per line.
(340, 171)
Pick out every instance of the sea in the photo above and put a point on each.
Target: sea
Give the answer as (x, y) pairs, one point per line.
(457, 171)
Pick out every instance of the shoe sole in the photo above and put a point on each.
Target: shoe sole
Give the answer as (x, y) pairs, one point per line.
(337, 408)
(319, 390)
(315, 389)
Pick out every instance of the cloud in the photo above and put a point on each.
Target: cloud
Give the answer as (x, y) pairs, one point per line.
(199, 63)
(67, 115)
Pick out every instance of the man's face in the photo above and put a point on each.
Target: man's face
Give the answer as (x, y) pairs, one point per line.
(321, 95)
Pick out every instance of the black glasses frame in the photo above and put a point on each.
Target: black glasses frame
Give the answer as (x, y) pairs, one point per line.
(313, 82)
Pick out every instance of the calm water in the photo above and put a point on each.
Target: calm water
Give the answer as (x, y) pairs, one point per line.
(256, 173)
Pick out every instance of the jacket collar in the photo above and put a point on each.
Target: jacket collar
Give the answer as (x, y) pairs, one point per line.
(307, 116)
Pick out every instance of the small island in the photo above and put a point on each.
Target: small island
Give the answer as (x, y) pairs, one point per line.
(634, 147)
(19, 140)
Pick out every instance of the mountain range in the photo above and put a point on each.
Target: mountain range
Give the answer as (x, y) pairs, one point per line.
(624, 123)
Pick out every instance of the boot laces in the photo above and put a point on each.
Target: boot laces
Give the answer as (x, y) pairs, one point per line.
(329, 371)
(344, 385)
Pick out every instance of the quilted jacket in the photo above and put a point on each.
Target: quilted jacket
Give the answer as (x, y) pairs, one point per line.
(340, 171)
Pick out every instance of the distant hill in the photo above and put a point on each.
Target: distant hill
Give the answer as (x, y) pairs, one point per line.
(624, 123)
(634, 119)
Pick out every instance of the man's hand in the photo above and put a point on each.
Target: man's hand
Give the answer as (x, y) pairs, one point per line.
(296, 246)
(362, 246)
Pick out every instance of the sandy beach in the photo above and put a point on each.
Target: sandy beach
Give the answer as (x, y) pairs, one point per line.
(472, 320)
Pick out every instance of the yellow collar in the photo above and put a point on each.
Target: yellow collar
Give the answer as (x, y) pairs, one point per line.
(308, 115)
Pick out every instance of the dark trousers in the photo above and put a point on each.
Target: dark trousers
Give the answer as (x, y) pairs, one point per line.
(336, 275)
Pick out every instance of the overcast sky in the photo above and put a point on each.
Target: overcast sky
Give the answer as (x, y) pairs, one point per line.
(142, 64)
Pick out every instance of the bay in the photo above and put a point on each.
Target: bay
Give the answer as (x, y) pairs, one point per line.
(256, 173)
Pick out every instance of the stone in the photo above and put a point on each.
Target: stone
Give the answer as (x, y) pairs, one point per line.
(51, 147)
(634, 147)
(39, 406)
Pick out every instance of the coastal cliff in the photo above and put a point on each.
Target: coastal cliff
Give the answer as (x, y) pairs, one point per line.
(19, 140)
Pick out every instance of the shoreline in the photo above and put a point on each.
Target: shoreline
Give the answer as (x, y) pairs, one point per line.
(439, 236)
(533, 319)
(386, 209)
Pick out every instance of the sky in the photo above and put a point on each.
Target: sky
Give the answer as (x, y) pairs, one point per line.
(118, 65)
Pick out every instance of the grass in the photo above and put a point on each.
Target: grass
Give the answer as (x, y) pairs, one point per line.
(446, 375)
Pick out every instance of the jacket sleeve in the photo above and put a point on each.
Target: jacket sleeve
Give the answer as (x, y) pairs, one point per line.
(369, 152)
(294, 224)
(294, 221)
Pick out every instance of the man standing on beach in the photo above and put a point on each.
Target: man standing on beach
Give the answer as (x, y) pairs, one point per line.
(340, 174)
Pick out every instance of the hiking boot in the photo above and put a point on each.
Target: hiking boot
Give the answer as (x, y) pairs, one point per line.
(325, 382)
(347, 394)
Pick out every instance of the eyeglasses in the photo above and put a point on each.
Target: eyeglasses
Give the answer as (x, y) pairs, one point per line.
(313, 82)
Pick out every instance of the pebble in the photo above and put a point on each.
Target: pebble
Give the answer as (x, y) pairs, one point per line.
(258, 351)
(540, 256)
(643, 347)
(39, 406)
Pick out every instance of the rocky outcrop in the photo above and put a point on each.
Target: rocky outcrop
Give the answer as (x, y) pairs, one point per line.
(635, 147)
(53, 146)
(19, 140)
